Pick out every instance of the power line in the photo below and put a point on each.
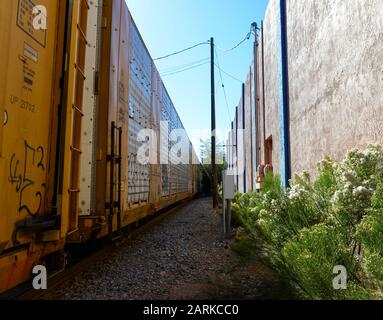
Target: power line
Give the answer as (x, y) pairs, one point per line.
(173, 69)
(183, 70)
(238, 45)
(228, 74)
(253, 29)
(181, 51)
(223, 86)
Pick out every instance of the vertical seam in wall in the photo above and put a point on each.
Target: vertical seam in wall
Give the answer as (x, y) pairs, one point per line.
(263, 85)
(252, 126)
(243, 133)
(232, 145)
(285, 168)
(236, 142)
(255, 106)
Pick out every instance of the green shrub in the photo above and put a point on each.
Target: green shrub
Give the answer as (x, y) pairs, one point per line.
(306, 230)
(311, 256)
(272, 184)
(370, 234)
(244, 245)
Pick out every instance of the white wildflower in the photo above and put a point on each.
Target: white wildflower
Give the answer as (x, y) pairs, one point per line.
(336, 197)
(296, 192)
(359, 191)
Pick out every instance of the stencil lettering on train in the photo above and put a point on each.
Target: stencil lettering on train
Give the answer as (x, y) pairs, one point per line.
(25, 105)
(20, 176)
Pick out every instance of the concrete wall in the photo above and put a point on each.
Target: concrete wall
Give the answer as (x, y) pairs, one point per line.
(249, 115)
(335, 66)
(335, 77)
(271, 77)
(241, 149)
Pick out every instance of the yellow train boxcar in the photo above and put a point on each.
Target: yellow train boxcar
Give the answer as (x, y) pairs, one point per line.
(116, 189)
(29, 86)
(33, 224)
(74, 97)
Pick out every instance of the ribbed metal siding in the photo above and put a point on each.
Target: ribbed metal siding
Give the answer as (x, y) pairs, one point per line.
(174, 171)
(165, 118)
(139, 116)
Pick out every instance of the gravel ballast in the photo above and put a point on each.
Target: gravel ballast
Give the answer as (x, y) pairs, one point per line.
(183, 257)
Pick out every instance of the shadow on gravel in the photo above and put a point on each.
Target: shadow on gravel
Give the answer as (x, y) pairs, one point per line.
(241, 277)
(250, 280)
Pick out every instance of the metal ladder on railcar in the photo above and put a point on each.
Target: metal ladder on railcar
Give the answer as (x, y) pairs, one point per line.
(77, 114)
(115, 159)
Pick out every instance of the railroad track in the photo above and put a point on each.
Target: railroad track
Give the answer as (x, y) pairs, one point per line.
(26, 292)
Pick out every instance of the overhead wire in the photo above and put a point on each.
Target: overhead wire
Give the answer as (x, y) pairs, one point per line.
(228, 74)
(247, 37)
(185, 69)
(223, 85)
(176, 68)
(182, 51)
(197, 64)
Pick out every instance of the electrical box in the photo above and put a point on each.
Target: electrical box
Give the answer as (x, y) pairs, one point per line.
(228, 186)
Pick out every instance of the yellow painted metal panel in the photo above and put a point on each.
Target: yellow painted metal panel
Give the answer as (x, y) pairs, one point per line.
(12, 269)
(123, 98)
(103, 113)
(16, 268)
(27, 67)
(4, 54)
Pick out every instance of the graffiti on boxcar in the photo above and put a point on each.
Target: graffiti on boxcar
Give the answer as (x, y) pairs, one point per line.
(20, 176)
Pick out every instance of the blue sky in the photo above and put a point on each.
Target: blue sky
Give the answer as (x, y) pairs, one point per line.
(171, 25)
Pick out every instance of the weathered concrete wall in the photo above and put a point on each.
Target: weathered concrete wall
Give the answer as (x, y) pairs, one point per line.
(336, 77)
(241, 149)
(253, 126)
(249, 116)
(235, 149)
(335, 65)
(271, 49)
(259, 106)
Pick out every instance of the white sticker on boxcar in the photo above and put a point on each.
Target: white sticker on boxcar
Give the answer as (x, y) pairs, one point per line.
(30, 53)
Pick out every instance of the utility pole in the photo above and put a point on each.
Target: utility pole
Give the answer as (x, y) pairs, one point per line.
(213, 128)
(256, 152)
